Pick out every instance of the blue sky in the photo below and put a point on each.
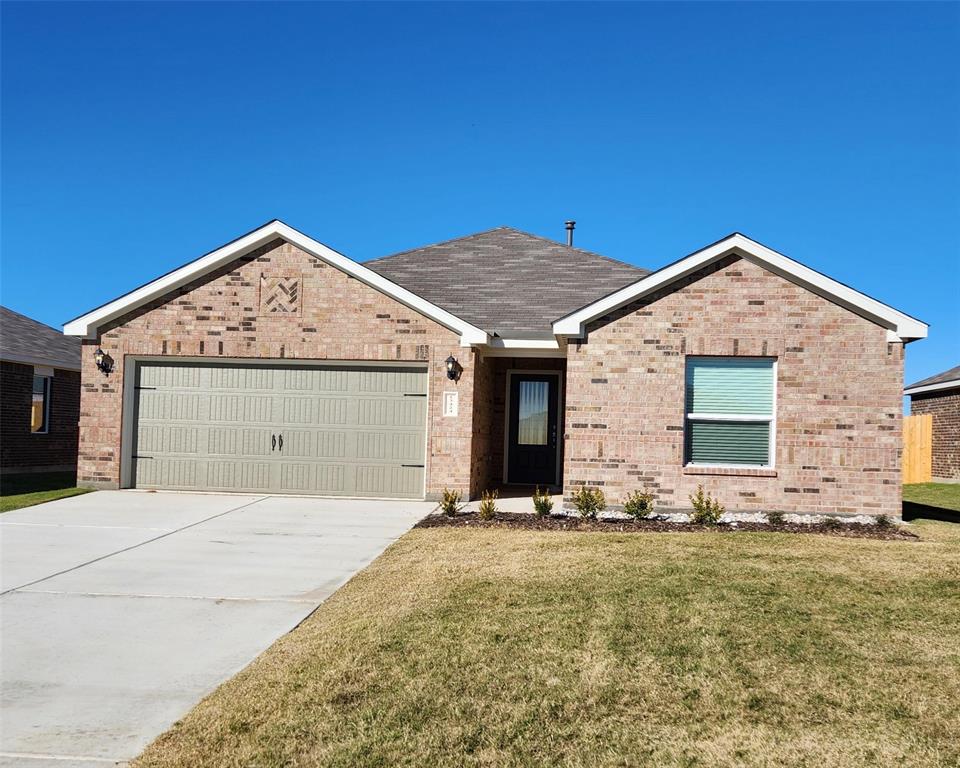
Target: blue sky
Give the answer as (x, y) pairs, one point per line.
(137, 136)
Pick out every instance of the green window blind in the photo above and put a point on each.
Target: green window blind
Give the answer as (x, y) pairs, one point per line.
(729, 411)
(729, 386)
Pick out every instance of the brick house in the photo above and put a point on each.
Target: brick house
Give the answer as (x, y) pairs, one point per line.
(277, 364)
(940, 396)
(39, 396)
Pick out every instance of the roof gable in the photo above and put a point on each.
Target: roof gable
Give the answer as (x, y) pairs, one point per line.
(25, 340)
(86, 325)
(510, 283)
(900, 327)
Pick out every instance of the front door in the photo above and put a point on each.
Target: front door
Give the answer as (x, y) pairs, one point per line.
(532, 439)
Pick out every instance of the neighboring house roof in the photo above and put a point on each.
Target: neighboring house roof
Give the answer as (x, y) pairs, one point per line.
(946, 380)
(23, 340)
(87, 324)
(510, 283)
(900, 327)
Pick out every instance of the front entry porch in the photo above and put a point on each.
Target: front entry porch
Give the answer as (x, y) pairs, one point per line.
(518, 425)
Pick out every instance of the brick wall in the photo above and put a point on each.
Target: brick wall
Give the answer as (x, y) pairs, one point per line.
(839, 385)
(220, 316)
(945, 408)
(23, 451)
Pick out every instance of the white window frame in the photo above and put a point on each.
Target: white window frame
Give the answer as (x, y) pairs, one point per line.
(744, 417)
(47, 389)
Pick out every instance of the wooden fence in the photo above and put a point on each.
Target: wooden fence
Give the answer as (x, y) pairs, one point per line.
(918, 448)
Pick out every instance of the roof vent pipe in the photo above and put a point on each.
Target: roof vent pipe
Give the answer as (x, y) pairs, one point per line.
(570, 225)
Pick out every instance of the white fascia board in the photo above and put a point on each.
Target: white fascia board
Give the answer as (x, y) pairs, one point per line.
(952, 384)
(901, 327)
(87, 325)
(498, 347)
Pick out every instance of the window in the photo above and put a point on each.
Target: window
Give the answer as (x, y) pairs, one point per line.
(730, 411)
(533, 413)
(40, 405)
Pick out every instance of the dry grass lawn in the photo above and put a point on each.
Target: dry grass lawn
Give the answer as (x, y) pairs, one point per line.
(512, 648)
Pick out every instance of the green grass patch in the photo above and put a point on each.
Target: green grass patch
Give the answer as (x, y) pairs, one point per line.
(513, 648)
(25, 490)
(943, 495)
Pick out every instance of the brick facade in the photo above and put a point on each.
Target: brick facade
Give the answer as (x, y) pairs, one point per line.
(24, 451)
(838, 404)
(945, 408)
(336, 317)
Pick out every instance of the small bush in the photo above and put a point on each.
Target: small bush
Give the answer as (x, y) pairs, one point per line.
(488, 505)
(589, 502)
(706, 509)
(830, 523)
(450, 502)
(638, 505)
(542, 503)
(883, 521)
(775, 518)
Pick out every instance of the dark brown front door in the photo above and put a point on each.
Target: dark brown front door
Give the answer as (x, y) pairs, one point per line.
(532, 440)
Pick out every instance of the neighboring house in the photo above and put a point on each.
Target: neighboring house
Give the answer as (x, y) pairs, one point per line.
(940, 396)
(39, 396)
(276, 364)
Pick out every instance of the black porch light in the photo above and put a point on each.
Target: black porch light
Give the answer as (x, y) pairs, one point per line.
(103, 360)
(454, 369)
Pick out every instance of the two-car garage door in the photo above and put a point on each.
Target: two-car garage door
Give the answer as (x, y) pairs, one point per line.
(331, 429)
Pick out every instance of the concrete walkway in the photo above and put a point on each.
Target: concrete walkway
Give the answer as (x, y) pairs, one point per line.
(121, 609)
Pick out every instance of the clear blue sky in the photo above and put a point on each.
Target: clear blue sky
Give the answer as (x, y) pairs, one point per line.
(137, 136)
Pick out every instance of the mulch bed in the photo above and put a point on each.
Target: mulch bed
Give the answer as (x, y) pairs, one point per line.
(531, 522)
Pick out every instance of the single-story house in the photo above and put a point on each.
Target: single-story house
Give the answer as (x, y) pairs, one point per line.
(940, 397)
(276, 364)
(39, 396)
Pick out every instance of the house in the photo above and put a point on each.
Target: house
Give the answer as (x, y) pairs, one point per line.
(939, 396)
(276, 364)
(39, 396)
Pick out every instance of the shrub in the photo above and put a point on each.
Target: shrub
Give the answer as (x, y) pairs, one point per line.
(775, 518)
(706, 509)
(488, 505)
(883, 521)
(450, 502)
(542, 502)
(830, 523)
(589, 502)
(638, 505)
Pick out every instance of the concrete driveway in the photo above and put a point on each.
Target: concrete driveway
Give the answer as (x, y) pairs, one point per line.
(121, 609)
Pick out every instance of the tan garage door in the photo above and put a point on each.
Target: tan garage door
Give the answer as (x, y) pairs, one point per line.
(334, 429)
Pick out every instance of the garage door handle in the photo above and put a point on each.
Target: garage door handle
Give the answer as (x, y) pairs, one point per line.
(273, 442)
(281, 443)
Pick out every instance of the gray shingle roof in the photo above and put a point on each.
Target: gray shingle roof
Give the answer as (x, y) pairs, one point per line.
(953, 374)
(505, 281)
(23, 340)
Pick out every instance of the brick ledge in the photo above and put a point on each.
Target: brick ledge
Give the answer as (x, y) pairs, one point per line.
(730, 471)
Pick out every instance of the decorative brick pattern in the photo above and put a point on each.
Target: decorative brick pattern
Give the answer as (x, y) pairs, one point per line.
(279, 295)
(839, 384)
(945, 408)
(24, 451)
(219, 317)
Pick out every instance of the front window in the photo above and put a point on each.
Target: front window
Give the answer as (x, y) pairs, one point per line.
(730, 411)
(40, 405)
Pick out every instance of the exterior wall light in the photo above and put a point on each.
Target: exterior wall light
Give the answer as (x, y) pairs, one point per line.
(454, 369)
(103, 360)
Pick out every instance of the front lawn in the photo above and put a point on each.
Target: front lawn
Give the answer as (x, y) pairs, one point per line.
(529, 648)
(17, 491)
(942, 495)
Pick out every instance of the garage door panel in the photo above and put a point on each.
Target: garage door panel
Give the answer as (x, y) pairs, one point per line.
(169, 406)
(357, 431)
(160, 438)
(239, 441)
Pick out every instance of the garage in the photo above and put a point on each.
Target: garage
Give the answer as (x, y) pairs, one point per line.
(329, 429)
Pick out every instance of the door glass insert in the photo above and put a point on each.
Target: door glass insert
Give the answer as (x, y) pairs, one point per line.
(533, 411)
